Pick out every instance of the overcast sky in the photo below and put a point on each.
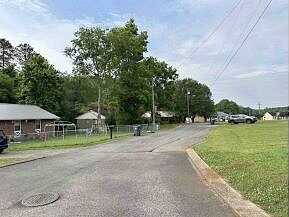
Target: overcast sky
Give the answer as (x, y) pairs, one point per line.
(259, 73)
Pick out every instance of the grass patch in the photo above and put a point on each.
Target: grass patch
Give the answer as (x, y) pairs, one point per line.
(70, 141)
(168, 126)
(254, 160)
(7, 161)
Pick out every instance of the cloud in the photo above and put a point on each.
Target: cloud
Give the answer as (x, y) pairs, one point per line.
(275, 69)
(35, 6)
(253, 74)
(30, 21)
(175, 29)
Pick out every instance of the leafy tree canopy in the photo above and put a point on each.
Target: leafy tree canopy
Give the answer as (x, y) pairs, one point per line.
(227, 106)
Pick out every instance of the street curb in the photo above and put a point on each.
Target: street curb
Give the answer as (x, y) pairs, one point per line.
(241, 206)
(21, 162)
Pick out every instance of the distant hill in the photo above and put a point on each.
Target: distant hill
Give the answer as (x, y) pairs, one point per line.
(255, 112)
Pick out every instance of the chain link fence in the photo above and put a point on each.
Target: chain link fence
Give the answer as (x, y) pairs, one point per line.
(67, 138)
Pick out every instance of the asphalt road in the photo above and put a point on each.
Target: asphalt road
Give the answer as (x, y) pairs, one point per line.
(141, 176)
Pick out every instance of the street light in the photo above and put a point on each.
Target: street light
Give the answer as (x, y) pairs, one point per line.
(188, 102)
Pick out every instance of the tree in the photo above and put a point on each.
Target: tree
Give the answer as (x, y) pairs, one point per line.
(90, 53)
(6, 53)
(7, 90)
(200, 102)
(128, 46)
(227, 106)
(23, 52)
(40, 84)
(163, 78)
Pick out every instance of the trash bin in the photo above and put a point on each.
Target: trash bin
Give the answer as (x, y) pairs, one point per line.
(212, 121)
(137, 130)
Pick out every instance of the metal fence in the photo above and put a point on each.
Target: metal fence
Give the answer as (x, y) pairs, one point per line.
(77, 137)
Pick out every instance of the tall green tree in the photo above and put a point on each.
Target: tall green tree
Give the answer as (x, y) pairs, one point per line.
(6, 53)
(198, 100)
(227, 106)
(23, 52)
(7, 89)
(162, 77)
(91, 53)
(128, 46)
(40, 84)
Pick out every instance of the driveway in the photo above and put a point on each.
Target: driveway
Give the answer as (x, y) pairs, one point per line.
(140, 176)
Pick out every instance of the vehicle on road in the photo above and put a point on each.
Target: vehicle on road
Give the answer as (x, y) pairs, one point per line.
(241, 118)
(3, 141)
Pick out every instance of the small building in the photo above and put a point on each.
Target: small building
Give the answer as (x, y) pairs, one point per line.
(199, 119)
(267, 117)
(89, 120)
(18, 120)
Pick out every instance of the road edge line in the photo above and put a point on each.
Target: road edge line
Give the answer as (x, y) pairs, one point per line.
(241, 206)
(22, 162)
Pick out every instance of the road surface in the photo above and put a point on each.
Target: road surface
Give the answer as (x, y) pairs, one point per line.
(141, 176)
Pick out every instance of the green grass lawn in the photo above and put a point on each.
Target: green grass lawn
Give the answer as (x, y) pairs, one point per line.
(168, 126)
(254, 160)
(4, 162)
(70, 141)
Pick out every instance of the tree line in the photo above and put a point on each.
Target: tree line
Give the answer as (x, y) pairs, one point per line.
(111, 75)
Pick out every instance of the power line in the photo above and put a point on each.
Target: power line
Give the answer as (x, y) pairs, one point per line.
(243, 42)
(228, 33)
(243, 31)
(217, 27)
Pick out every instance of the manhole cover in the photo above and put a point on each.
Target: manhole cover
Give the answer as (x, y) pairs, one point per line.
(40, 199)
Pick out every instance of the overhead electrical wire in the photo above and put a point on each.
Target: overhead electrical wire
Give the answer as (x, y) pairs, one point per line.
(228, 33)
(244, 30)
(243, 42)
(217, 27)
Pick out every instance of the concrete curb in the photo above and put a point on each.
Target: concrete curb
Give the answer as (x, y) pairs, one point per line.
(241, 206)
(21, 162)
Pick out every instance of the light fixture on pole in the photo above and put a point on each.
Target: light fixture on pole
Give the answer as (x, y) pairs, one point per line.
(188, 103)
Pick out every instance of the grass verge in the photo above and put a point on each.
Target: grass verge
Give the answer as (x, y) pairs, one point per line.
(168, 126)
(70, 141)
(7, 161)
(254, 160)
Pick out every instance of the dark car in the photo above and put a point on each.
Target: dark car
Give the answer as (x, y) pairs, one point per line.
(3, 141)
(236, 119)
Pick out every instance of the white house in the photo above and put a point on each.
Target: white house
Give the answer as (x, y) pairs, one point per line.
(163, 115)
(267, 117)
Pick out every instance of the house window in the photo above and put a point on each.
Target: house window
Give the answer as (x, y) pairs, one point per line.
(38, 125)
(17, 127)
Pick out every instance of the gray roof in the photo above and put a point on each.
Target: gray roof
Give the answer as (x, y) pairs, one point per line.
(24, 112)
(222, 114)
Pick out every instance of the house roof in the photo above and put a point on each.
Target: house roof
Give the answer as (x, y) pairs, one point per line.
(222, 114)
(90, 115)
(267, 113)
(24, 112)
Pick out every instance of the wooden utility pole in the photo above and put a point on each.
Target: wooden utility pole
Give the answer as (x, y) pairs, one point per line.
(153, 102)
(259, 108)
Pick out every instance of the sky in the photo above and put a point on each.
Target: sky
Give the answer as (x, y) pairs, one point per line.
(258, 73)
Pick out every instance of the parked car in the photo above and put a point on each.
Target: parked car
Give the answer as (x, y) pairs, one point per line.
(236, 119)
(3, 141)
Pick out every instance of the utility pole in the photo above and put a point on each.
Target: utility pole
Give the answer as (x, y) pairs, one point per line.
(259, 108)
(153, 102)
